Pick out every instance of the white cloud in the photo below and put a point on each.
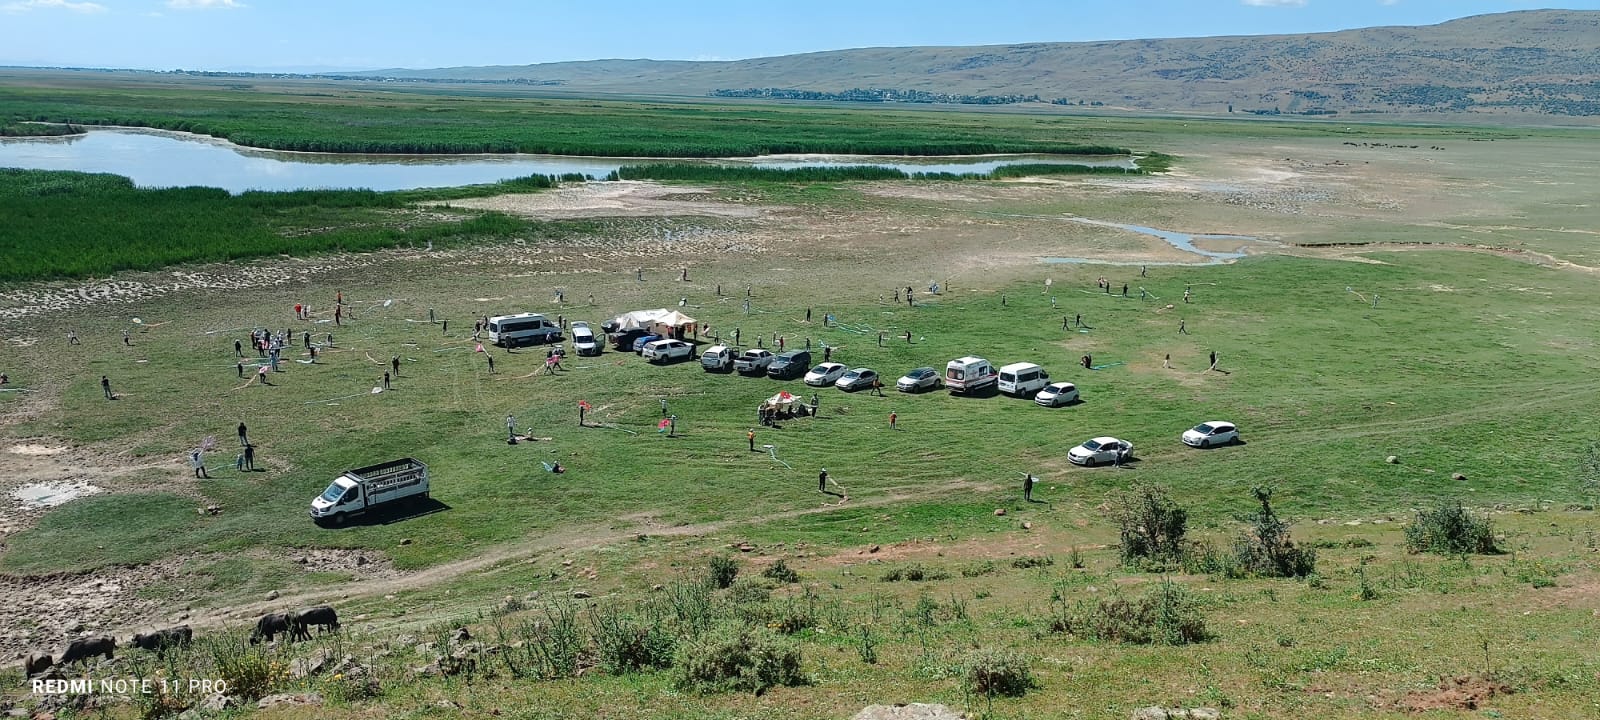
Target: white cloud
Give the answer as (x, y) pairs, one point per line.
(1275, 3)
(204, 4)
(83, 8)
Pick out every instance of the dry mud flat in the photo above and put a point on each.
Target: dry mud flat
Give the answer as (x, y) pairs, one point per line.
(620, 198)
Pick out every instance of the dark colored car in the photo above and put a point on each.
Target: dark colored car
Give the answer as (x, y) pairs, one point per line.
(790, 365)
(643, 340)
(624, 340)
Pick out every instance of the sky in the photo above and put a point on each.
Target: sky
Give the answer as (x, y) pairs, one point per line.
(334, 35)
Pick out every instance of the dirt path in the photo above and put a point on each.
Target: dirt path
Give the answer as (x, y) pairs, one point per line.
(570, 541)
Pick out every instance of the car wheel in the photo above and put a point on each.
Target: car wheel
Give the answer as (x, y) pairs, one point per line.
(1205, 444)
(1089, 461)
(337, 519)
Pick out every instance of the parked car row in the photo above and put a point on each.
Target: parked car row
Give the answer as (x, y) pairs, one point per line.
(962, 375)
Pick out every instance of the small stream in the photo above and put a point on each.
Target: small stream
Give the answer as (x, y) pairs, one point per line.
(1181, 241)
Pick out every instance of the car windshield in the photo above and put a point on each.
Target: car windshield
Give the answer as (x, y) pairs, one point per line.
(1091, 445)
(1204, 429)
(333, 493)
(920, 373)
(851, 375)
(821, 369)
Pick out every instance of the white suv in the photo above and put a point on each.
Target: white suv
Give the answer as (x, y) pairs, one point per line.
(662, 351)
(1207, 434)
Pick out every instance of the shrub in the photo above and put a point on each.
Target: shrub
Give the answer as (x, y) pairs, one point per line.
(793, 615)
(780, 572)
(914, 573)
(1167, 615)
(723, 570)
(627, 645)
(1265, 550)
(1449, 529)
(997, 672)
(1032, 561)
(738, 658)
(1150, 523)
(977, 569)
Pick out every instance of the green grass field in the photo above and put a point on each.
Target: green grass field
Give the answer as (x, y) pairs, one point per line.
(1477, 363)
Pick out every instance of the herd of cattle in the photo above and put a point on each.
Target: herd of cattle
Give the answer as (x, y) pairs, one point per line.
(293, 624)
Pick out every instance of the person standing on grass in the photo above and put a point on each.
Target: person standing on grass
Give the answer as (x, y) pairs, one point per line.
(240, 367)
(892, 420)
(751, 436)
(1213, 359)
(1166, 363)
(261, 374)
(105, 386)
(877, 387)
(244, 437)
(1027, 486)
(663, 407)
(386, 379)
(491, 362)
(250, 457)
(394, 364)
(72, 337)
(1124, 289)
(197, 459)
(126, 340)
(238, 348)
(306, 338)
(1186, 295)
(822, 481)
(1078, 321)
(1183, 327)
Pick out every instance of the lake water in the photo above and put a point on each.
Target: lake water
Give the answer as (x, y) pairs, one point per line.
(160, 159)
(1181, 241)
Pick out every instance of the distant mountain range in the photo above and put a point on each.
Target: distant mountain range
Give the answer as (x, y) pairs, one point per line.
(1533, 62)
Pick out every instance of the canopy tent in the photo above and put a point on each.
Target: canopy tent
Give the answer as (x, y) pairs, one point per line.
(782, 406)
(784, 398)
(660, 322)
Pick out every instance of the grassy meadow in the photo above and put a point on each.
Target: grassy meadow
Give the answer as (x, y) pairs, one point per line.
(1330, 359)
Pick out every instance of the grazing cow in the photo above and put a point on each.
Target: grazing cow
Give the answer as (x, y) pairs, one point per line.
(80, 650)
(271, 624)
(322, 616)
(36, 664)
(161, 640)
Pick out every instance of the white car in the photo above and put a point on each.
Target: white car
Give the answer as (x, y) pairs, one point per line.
(1057, 394)
(584, 340)
(857, 379)
(1207, 434)
(1100, 451)
(825, 374)
(924, 378)
(664, 351)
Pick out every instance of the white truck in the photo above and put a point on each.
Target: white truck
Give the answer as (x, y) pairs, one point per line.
(754, 362)
(362, 489)
(967, 375)
(717, 358)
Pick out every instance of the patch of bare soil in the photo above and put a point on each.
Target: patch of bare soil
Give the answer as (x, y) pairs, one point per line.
(622, 198)
(38, 476)
(1465, 692)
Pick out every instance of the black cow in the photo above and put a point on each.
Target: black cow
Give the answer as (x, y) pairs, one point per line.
(322, 616)
(80, 650)
(36, 664)
(271, 624)
(161, 640)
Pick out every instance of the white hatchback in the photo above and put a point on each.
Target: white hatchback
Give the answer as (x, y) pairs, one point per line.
(1208, 434)
(1057, 394)
(1101, 450)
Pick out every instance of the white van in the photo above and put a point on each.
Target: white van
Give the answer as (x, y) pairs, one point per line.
(1023, 379)
(522, 329)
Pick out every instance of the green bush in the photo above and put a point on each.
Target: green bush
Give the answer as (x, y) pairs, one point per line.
(977, 569)
(737, 658)
(723, 570)
(780, 571)
(1266, 550)
(1150, 524)
(1450, 530)
(997, 672)
(914, 572)
(1032, 561)
(1167, 615)
(628, 645)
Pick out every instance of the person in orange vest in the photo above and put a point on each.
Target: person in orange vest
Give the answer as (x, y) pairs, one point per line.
(751, 436)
